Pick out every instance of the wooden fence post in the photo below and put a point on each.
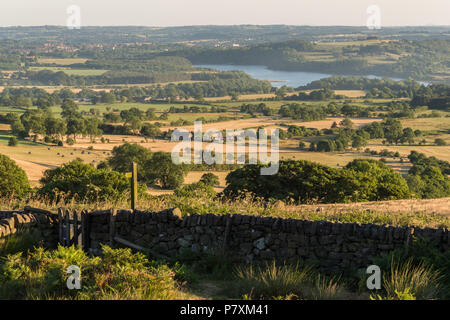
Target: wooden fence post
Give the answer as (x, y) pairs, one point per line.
(67, 225)
(61, 224)
(112, 227)
(134, 187)
(85, 230)
(76, 231)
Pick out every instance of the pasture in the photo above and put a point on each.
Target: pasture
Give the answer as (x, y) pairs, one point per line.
(61, 61)
(72, 72)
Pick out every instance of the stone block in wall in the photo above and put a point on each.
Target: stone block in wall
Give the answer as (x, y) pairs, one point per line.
(245, 219)
(183, 243)
(255, 234)
(310, 227)
(237, 218)
(267, 254)
(276, 224)
(122, 216)
(101, 237)
(99, 218)
(314, 242)
(336, 228)
(302, 251)
(139, 228)
(385, 247)
(327, 239)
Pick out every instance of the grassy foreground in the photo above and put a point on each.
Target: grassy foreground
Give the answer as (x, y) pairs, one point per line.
(417, 272)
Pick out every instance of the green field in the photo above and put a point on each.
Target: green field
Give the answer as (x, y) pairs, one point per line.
(72, 72)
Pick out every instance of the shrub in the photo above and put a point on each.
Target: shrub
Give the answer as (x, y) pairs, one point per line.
(280, 281)
(13, 142)
(408, 280)
(195, 190)
(77, 179)
(420, 267)
(118, 275)
(210, 179)
(70, 141)
(22, 240)
(13, 180)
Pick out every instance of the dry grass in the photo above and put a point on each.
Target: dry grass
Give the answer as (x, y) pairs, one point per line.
(440, 152)
(442, 123)
(5, 127)
(41, 158)
(61, 62)
(426, 206)
(235, 124)
(327, 123)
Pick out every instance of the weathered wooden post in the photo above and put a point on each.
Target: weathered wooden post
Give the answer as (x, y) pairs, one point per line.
(112, 226)
(61, 225)
(85, 230)
(134, 187)
(67, 230)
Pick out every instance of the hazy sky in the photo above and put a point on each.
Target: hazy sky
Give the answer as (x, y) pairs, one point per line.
(224, 12)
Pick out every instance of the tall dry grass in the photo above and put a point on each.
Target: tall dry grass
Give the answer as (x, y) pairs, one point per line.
(272, 281)
(389, 212)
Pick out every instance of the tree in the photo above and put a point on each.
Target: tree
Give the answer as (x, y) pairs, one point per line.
(55, 128)
(91, 128)
(306, 182)
(371, 180)
(150, 130)
(301, 181)
(69, 109)
(428, 182)
(358, 142)
(393, 130)
(82, 181)
(210, 179)
(33, 122)
(123, 156)
(160, 170)
(234, 96)
(150, 114)
(12, 142)
(326, 146)
(108, 97)
(76, 126)
(408, 136)
(13, 180)
(346, 123)
(440, 142)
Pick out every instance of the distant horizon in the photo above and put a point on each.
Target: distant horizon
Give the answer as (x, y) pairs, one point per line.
(174, 13)
(226, 25)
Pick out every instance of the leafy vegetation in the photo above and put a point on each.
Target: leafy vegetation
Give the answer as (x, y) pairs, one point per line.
(82, 181)
(13, 180)
(307, 182)
(118, 275)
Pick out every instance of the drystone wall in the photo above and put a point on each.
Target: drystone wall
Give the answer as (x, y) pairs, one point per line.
(42, 222)
(335, 246)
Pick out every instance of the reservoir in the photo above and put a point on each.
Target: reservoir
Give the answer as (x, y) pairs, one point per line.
(278, 79)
